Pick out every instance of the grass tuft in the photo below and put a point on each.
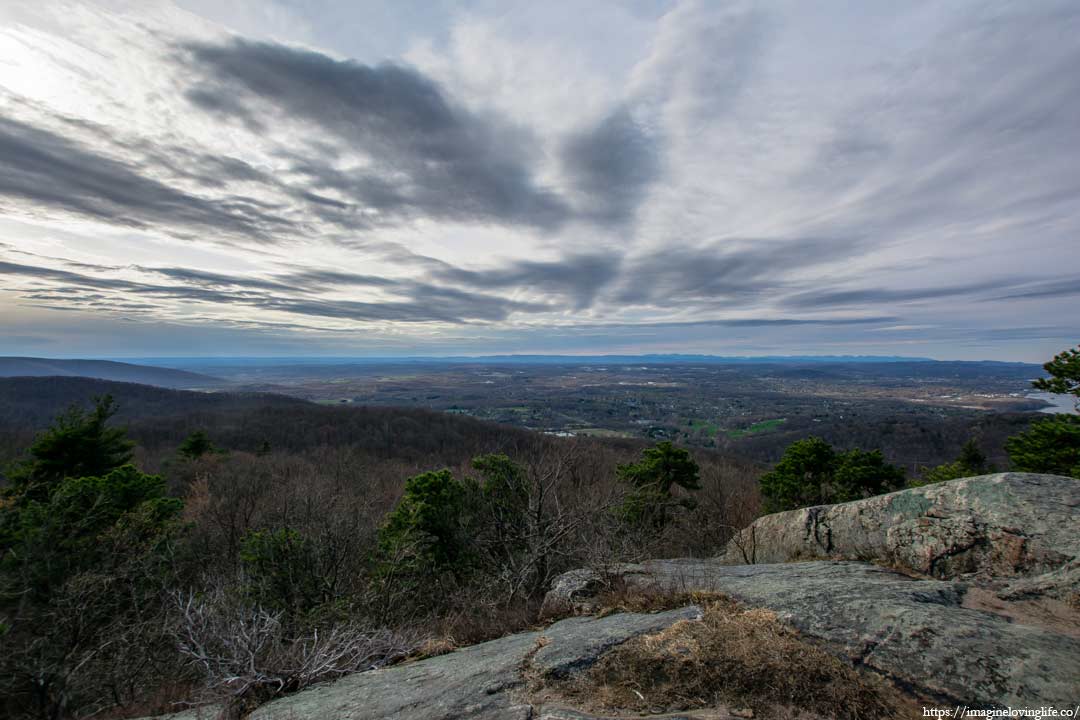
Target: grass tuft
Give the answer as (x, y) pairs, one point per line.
(733, 657)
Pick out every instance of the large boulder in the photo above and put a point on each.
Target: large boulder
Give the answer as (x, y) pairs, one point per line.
(921, 634)
(997, 527)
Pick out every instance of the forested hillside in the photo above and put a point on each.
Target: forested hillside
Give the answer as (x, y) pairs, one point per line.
(139, 548)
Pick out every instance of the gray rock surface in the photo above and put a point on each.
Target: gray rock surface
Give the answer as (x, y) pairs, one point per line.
(915, 632)
(475, 683)
(1002, 526)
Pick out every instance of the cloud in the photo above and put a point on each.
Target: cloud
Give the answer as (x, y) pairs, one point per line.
(55, 172)
(1047, 289)
(611, 166)
(868, 296)
(409, 301)
(692, 172)
(578, 277)
(428, 156)
(745, 269)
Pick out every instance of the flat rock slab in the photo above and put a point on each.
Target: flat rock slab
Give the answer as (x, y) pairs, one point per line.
(474, 683)
(915, 632)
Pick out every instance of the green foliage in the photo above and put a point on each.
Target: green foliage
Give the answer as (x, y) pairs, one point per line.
(45, 542)
(84, 543)
(498, 518)
(971, 462)
(502, 481)
(1049, 446)
(651, 480)
(811, 472)
(1064, 370)
(281, 569)
(428, 530)
(196, 445)
(80, 443)
(798, 478)
(83, 569)
(860, 474)
(1052, 445)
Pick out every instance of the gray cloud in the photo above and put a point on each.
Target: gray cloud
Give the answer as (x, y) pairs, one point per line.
(1049, 289)
(431, 157)
(323, 278)
(53, 171)
(580, 277)
(877, 295)
(421, 302)
(612, 166)
(723, 271)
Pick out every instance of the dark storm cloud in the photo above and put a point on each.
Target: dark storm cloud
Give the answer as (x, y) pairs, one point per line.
(431, 157)
(611, 166)
(49, 170)
(578, 277)
(417, 302)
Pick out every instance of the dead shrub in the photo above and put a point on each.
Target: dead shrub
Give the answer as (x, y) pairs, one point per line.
(735, 657)
(247, 655)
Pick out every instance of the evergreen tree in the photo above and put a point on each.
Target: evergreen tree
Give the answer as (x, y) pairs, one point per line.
(811, 472)
(196, 445)
(1048, 446)
(1064, 371)
(80, 443)
(428, 530)
(660, 469)
(971, 462)
(1052, 445)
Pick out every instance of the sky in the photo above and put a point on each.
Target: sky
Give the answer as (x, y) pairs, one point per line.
(334, 177)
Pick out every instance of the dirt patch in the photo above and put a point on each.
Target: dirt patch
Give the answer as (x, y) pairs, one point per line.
(732, 658)
(1045, 613)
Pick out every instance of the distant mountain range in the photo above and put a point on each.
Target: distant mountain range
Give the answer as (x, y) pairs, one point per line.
(520, 359)
(107, 370)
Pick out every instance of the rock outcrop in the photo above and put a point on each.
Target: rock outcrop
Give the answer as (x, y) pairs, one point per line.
(918, 633)
(1019, 531)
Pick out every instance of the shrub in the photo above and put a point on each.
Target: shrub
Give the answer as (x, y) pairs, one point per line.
(247, 654)
(281, 570)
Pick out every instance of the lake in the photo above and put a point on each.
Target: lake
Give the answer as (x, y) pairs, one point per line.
(1059, 403)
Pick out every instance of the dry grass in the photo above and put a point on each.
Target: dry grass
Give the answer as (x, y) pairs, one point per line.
(733, 657)
(433, 647)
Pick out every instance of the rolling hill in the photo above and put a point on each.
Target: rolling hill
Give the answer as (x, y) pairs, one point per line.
(107, 370)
